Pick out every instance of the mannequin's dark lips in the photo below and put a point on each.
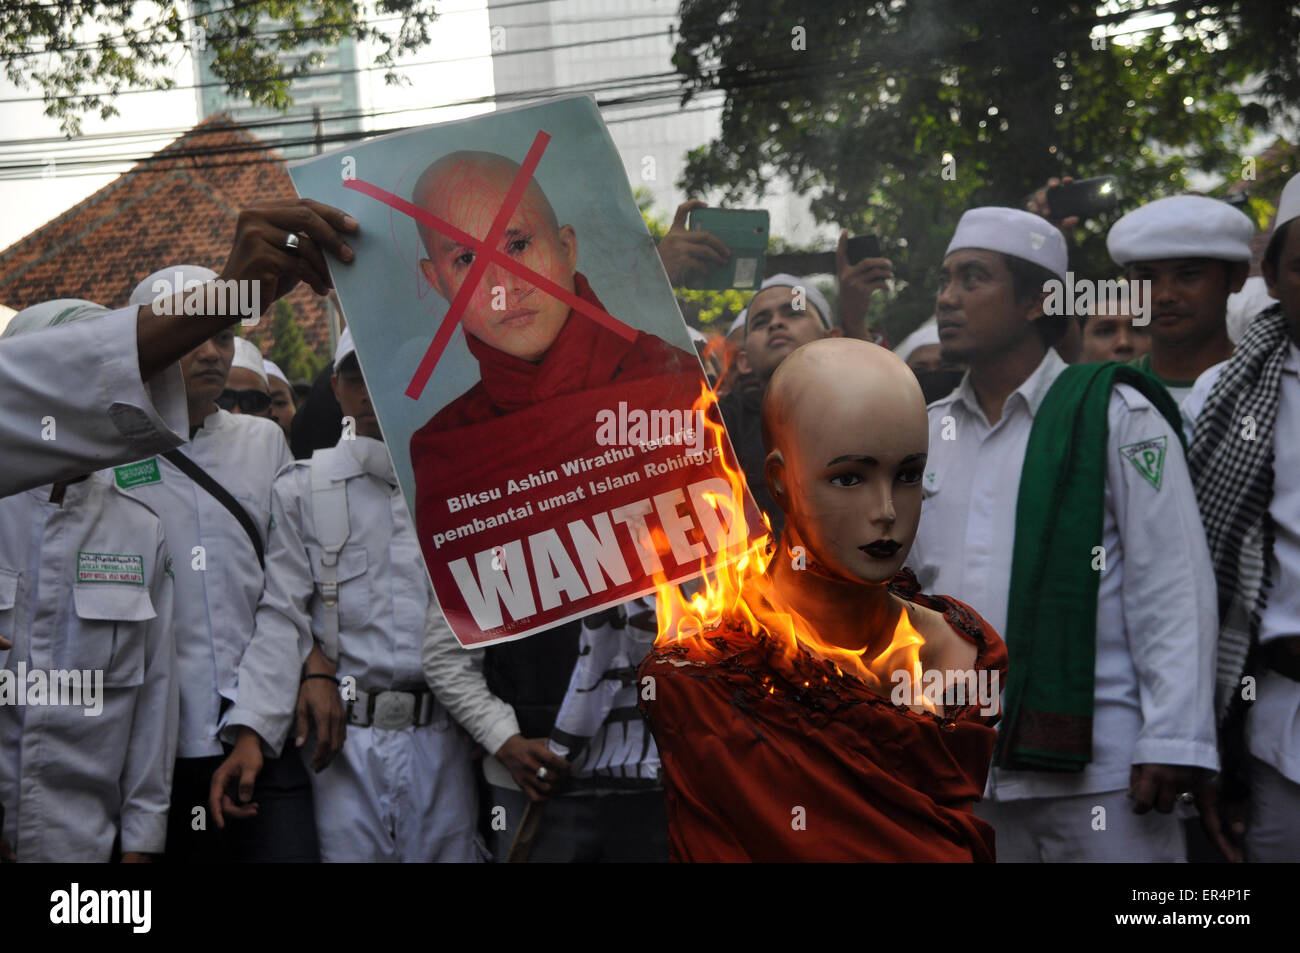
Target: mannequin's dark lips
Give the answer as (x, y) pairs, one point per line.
(882, 548)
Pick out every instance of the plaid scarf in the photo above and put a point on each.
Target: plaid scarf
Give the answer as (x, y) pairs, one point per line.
(1231, 461)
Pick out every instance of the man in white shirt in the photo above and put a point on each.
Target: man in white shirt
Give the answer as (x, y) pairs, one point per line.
(402, 787)
(88, 691)
(219, 579)
(107, 392)
(1245, 456)
(1150, 729)
(1195, 252)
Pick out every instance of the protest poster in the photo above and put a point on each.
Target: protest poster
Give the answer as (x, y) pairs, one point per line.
(533, 378)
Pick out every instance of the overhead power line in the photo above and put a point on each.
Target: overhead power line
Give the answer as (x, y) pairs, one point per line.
(652, 85)
(772, 74)
(303, 118)
(338, 72)
(235, 8)
(262, 158)
(320, 25)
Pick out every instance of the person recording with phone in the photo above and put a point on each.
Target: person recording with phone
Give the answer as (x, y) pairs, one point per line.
(861, 269)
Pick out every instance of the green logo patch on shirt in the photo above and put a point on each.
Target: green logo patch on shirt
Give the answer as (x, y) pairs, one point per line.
(138, 474)
(1148, 457)
(110, 567)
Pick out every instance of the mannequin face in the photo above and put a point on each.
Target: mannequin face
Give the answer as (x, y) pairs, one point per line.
(848, 438)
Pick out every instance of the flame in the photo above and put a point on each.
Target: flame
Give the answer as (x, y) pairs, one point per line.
(734, 586)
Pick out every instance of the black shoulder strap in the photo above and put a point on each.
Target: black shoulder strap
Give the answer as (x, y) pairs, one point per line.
(222, 496)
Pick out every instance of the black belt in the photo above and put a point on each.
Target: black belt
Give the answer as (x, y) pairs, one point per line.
(392, 710)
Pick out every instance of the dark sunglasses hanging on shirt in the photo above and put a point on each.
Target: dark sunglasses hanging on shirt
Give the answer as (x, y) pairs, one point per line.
(249, 401)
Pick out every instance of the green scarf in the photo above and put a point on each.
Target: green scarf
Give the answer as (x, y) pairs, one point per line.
(1051, 631)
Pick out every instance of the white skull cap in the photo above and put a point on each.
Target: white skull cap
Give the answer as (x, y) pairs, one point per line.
(1012, 232)
(1181, 226)
(249, 357)
(168, 281)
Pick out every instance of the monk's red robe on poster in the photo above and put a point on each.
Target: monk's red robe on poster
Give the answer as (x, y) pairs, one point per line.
(519, 451)
(748, 734)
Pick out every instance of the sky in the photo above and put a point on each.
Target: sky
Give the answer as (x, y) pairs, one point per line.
(460, 32)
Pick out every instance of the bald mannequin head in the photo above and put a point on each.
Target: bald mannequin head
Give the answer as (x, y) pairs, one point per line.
(847, 435)
(506, 311)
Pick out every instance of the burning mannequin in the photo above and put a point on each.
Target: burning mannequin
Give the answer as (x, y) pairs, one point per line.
(814, 705)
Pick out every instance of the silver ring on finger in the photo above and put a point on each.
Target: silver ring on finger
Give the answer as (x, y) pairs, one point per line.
(543, 774)
(1186, 797)
(292, 243)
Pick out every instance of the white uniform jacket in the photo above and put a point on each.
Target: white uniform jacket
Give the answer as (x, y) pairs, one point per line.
(218, 579)
(85, 585)
(383, 596)
(391, 794)
(71, 402)
(1156, 607)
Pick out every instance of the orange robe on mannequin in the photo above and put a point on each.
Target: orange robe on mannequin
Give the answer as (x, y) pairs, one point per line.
(779, 752)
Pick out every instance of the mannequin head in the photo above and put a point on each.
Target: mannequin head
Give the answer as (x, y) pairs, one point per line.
(847, 435)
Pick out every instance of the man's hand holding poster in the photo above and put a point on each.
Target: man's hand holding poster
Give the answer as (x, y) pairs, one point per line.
(533, 378)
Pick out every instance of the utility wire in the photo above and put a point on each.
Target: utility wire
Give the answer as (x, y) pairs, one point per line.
(338, 72)
(263, 159)
(318, 25)
(611, 85)
(302, 118)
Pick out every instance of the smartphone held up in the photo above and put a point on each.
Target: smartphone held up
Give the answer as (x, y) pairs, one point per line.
(745, 232)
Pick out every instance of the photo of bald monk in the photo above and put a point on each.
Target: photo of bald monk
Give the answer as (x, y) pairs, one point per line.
(528, 343)
(527, 432)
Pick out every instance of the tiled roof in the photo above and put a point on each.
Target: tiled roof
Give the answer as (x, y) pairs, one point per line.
(179, 206)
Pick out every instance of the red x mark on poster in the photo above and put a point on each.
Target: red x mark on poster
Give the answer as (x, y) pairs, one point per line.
(485, 253)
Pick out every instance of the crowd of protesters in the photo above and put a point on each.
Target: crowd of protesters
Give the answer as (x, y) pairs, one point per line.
(234, 579)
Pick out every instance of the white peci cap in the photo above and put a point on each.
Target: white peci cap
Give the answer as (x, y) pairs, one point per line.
(168, 281)
(49, 314)
(249, 358)
(1012, 232)
(345, 347)
(1181, 226)
(273, 370)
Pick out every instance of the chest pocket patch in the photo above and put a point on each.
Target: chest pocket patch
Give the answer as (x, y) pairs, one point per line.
(110, 632)
(354, 585)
